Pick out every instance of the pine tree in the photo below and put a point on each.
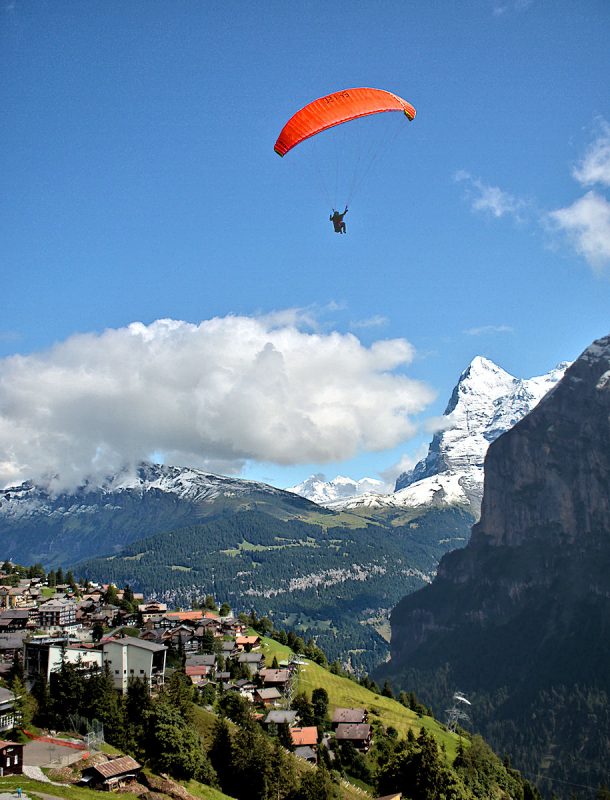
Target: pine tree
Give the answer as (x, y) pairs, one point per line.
(172, 746)
(316, 785)
(221, 754)
(101, 701)
(25, 704)
(180, 692)
(252, 764)
(319, 702)
(304, 709)
(40, 692)
(111, 597)
(283, 777)
(137, 705)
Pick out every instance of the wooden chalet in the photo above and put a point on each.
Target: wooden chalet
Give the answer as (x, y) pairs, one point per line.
(279, 717)
(275, 677)
(349, 716)
(11, 759)
(268, 697)
(247, 642)
(112, 774)
(304, 737)
(189, 617)
(359, 735)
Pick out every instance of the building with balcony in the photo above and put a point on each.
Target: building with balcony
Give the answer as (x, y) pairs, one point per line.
(8, 715)
(58, 615)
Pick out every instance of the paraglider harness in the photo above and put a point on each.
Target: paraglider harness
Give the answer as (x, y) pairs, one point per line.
(337, 220)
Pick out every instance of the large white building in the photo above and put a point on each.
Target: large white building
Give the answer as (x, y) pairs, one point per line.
(134, 658)
(127, 657)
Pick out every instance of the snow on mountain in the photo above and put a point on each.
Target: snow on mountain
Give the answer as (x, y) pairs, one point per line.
(317, 489)
(486, 402)
(185, 483)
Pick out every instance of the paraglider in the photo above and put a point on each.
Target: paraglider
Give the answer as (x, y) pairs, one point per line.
(334, 110)
(337, 220)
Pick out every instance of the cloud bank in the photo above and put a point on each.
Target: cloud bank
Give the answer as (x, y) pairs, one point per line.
(212, 395)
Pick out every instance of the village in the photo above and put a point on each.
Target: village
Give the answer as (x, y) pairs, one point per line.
(99, 628)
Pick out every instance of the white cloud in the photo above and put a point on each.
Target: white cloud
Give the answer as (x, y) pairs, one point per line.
(595, 166)
(214, 395)
(404, 464)
(485, 329)
(376, 321)
(490, 199)
(586, 223)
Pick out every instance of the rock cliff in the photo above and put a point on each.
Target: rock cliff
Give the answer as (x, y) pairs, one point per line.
(520, 617)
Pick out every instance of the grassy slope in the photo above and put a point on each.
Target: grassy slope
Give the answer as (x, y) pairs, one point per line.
(343, 692)
(37, 788)
(203, 721)
(204, 792)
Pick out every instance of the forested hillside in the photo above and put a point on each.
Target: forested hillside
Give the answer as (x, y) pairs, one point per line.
(337, 583)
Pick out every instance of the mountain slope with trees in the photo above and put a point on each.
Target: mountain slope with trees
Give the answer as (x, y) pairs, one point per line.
(336, 582)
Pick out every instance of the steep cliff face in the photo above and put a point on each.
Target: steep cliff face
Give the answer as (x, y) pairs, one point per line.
(521, 615)
(550, 477)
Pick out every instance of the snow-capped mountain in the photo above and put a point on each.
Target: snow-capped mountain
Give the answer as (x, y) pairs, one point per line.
(38, 523)
(317, 489)
(486, 402)
(196, 486)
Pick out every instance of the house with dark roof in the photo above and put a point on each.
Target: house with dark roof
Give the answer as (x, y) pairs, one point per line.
(268, 697)
(112, 774)
(279, 717)
(275, 677)
(201, 660)
(349, 716)
(18, 619)
(359, 735)
(11, 759)
(252, 661)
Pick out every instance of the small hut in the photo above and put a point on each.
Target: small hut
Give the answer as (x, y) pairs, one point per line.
(112, 774)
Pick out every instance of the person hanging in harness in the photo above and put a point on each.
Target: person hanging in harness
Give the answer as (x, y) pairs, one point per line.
(337, 220)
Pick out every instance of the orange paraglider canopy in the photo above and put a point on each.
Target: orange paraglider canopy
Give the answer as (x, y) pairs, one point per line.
(333, 109)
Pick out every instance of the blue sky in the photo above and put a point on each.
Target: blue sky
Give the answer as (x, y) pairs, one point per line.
(139, 183)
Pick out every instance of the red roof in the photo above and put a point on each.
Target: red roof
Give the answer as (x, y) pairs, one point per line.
(184, 615)
(302, 737)
(198, 669)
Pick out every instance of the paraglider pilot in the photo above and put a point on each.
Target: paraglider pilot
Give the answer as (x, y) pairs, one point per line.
(337, 220)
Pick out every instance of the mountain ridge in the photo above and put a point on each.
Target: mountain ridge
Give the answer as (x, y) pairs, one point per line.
(485, 402)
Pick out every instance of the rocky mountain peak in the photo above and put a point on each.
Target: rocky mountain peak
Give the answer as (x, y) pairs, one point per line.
(486, 402)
